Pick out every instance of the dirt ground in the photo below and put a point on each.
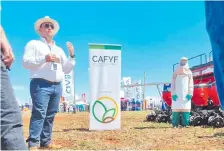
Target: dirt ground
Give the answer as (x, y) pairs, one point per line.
(72, 132)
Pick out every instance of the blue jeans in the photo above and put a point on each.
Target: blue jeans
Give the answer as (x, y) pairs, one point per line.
(11, 120)
(45, 97)
(215, 28)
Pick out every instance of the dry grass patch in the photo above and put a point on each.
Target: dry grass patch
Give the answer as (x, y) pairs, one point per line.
(72, 132)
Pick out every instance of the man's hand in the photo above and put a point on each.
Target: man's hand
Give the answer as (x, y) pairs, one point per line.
(70, 48)
(50, 58)
(57, 60)
(8, 60)
(6, 49)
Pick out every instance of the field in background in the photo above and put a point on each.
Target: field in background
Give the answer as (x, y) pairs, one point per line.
(71, 131)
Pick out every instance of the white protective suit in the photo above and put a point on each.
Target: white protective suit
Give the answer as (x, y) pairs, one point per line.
(182, 85)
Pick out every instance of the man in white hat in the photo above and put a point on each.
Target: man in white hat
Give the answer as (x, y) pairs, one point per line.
(182, 87)
(47, 64)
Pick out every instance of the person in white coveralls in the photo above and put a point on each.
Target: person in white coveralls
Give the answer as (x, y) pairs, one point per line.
(182, 91)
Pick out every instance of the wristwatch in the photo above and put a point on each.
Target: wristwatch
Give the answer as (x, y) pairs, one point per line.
(73, 56)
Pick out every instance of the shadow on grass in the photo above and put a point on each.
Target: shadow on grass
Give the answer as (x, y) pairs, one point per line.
(83, 129)
(151, 127)
(74, 129)
(220, 134)
(153, 122)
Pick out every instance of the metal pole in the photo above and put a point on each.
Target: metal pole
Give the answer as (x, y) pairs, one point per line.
(74, 108)
(201, 60)
(144, 87)
(74, 84)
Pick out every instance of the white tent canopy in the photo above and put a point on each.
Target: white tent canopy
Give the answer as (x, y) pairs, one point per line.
(81, 103)
(122, 93)
(19, 102)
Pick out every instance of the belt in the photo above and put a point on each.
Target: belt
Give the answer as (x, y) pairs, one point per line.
(50, 82)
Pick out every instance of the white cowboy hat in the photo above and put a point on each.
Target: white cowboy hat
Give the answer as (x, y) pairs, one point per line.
(44, 20)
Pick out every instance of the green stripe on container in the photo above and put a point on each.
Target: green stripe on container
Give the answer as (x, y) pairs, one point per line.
(111, 47)
(96, 46)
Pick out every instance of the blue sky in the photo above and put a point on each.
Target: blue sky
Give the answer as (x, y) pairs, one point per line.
(153, 35)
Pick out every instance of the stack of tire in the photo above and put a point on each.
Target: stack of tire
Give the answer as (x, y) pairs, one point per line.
(213, 118)
(159, 116)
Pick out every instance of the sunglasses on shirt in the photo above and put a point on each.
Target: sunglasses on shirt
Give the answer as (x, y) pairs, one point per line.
(49, 25)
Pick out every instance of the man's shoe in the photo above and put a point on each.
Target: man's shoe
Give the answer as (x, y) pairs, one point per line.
(175, 127)
(34, 148)
(51, 146)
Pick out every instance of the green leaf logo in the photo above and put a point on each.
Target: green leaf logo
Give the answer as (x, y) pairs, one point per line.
(108, 114)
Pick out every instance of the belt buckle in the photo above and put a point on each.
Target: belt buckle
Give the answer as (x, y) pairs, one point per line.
(50, 82)
(53, 82)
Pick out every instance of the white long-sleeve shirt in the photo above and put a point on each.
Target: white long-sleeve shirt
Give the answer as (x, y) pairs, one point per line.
(34, 60)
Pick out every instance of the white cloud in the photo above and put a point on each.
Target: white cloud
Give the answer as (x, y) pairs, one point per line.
(19, 87)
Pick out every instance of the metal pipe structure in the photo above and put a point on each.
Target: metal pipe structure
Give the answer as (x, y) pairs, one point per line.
(143, 94)
(210, 56)
(146, 84)
(159, 90)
